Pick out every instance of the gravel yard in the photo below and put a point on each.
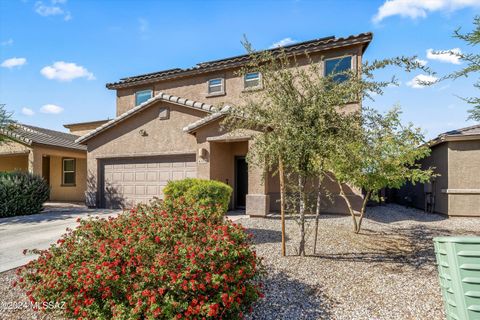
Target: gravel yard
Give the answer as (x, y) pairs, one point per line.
(386, 272)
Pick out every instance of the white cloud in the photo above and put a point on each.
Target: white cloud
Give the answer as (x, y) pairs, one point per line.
(8, 42)
(421, 80)
(282, 43)
(51, 108)
(27, 111)
(448, 56)
(421, 62)
(13, 62)
(66, 71)
(53, 9)
(420, 8)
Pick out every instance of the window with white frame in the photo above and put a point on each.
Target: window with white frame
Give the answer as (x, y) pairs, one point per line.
(252, 80)
(68, 172)
(337, 68)
(142, 96)
(215, 86)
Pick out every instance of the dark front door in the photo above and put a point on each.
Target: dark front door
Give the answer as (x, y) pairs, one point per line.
(241, 182)
(46, 169)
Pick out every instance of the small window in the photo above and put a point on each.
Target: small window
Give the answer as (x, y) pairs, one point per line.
(142, 96)
(251, 80)
(215, 86)
(68, 172)
(337, 66)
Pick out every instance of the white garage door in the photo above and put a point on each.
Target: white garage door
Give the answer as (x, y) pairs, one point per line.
(129, 181)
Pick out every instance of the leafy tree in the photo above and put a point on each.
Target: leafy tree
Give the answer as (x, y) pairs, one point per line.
(472, 61)
(303, 116)
(5, 121)
(382, 153)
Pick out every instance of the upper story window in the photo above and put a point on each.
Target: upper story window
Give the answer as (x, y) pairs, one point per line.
(216, 86)
(68, 172)
(337, 66)
(252, 80)
(142, 96)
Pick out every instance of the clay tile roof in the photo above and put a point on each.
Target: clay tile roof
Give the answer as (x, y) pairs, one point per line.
(159, 97)
(203, 67)
(30, 134)
(206, 120)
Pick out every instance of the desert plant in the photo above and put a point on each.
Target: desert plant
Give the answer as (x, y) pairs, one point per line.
(199, 192)
(22, 193)
(149, 263)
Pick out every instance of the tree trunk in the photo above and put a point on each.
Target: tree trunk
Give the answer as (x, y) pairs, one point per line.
(317, 213)
(301, 249)
(349, 205)
(282, 204)
(362, 212)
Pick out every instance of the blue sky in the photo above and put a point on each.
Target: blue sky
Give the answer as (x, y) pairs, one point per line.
(57, 55)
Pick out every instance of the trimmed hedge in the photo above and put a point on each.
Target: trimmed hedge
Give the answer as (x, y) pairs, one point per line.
(22, 193)
(208, 193)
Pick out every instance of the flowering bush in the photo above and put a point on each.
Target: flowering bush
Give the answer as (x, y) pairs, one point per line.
(150, 263)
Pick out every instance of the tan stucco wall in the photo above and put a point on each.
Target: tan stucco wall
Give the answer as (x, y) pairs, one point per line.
(84, 128)
(195, 87)
(13, 156)
(58, 192)
(124, 140)
(13, 162)
(464, 174)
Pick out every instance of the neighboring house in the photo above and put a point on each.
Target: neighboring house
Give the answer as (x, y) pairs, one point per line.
(456, 191)
(167, 127)
(52, 154)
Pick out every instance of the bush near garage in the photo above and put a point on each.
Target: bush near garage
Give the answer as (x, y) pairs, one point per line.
(22, 193)
(208, 193)
(149, 263)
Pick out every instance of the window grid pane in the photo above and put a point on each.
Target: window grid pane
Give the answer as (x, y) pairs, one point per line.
(339, 65)
(215, 85)
(142, 96)
(68, 171)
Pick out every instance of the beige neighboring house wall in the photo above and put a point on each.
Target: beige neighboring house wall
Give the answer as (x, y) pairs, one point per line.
(455, 155)
(26, 153)
(83, 128)
(132, 156)
(463, 178)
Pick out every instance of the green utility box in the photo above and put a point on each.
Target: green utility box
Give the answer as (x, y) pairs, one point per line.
(458, 261)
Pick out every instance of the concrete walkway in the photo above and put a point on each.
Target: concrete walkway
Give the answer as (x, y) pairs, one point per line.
(39, 231)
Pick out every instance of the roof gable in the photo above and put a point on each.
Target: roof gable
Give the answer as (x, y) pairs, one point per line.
(208, 108)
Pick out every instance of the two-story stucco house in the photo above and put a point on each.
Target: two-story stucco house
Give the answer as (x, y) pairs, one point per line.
(167, 126)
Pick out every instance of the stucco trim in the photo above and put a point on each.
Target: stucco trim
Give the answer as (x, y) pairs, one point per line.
(461, 191)
(208, 108)
(146, 154)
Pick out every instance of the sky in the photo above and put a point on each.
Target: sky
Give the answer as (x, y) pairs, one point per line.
(57, 55)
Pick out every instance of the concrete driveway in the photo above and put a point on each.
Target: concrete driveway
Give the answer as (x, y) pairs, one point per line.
(39, 231)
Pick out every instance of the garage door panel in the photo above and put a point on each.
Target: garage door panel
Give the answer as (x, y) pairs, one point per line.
(130, 181)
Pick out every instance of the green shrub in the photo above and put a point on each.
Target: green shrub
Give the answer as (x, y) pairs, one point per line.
(22, 193)
(150, 263)
(205, 193)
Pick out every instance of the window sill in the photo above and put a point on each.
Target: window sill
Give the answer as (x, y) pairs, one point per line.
(215, 94)
(68, 185)
(253, 89)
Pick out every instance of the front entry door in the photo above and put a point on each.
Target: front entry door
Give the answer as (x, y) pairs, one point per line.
(241, 182)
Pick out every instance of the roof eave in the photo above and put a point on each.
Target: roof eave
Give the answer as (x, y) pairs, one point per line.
(363, 39)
